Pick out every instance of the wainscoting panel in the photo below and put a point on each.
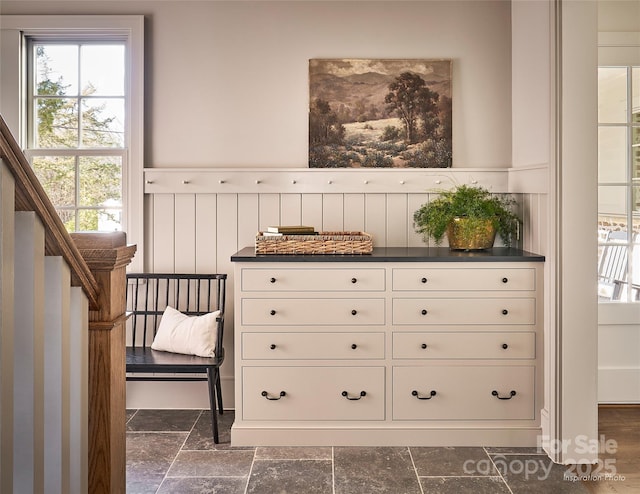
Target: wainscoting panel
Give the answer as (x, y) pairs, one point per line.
(196, 226)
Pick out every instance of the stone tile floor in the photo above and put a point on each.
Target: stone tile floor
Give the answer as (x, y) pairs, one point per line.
(171, 451)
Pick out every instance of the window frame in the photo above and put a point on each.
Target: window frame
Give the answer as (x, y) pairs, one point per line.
(628, 185)
(621, 49)
(15, 31)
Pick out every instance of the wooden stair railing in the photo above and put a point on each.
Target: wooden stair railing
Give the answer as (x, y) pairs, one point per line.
(107, 254)
(97, 262)
(30, 196)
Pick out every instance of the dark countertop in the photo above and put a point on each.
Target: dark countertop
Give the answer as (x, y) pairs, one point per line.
(397, 254)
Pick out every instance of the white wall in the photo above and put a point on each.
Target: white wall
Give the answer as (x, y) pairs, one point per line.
(531, 87)
(618, 15)
(227, 81)
(227, 86)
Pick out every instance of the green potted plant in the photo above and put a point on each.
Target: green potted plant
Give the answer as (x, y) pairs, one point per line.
(470, 216)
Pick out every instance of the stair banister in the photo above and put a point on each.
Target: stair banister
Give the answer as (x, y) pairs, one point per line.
(30, 196)
(97, 263)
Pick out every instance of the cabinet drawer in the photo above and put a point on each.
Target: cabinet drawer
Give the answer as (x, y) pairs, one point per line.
(464, 393)
(315, 280)
(312, 311)
(504, 279)
(498, 345)
(441, 311)
(275, 346)
(313, 393)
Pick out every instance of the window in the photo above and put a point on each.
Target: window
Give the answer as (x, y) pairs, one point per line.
(619, 183)
(80, 123)
(76, 128)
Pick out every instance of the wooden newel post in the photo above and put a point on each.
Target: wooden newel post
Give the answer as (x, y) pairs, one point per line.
(107, 255)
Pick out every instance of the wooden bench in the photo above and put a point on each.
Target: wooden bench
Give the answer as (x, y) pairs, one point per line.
(148, 294)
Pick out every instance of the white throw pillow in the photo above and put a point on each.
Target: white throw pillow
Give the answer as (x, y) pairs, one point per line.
(191, 335)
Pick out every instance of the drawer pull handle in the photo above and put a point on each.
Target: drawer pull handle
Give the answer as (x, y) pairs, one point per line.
(423, 312)
(354, 280)
(272, 346)
(272, 280)
(505, 312)
(505, 280)
(354, 312)
(354, 346)
(415, 393)
(271, 398)
(505, 346)
(423, 346)
(512, 393)
(423, 280)
(272, 312)
(346, 395)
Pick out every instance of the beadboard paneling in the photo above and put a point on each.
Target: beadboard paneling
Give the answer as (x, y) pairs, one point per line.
(197, 226)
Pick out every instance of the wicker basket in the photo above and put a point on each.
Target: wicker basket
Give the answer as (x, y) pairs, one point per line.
(323, 243)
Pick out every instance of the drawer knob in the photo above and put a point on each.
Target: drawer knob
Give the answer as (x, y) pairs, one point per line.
(272, 280)
(505, 312)
(272, 312)
(512, 393)
(505, 346)
(354, 346)
(415, 393)
(505, 280)
(354, 398)
(423, 280)
(272, 346)
(423, 312)
(354, 312)
(272, 398)
(423, 346)
(354, 280)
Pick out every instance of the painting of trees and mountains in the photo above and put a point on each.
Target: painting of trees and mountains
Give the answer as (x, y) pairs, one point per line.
(379, 113)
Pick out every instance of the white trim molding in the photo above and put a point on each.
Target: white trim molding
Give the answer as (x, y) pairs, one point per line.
(14, 28)
(319, 180)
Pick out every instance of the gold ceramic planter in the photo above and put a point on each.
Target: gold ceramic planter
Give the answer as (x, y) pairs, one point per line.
(471, 234)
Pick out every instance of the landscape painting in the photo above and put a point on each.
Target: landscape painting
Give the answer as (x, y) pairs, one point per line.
(379, 113)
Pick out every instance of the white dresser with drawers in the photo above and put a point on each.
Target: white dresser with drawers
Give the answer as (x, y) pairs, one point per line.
(406, 346)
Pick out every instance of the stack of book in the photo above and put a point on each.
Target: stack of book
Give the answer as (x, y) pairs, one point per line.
(278, 231)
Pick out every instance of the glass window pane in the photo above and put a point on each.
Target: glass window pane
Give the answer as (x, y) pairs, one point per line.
(100, 181)
(635, 91)
(635, 269)
(612, 201)
(612, 154)
(68, 217)
(57, 176)
(78, 101)
(103, 122)
(87, 220)
(57, 123)
(102, 68)
(56, 70)
(108, 219)
(612, 94)
(636, 213)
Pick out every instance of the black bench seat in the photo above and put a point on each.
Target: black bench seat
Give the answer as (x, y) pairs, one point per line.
(148, 294)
